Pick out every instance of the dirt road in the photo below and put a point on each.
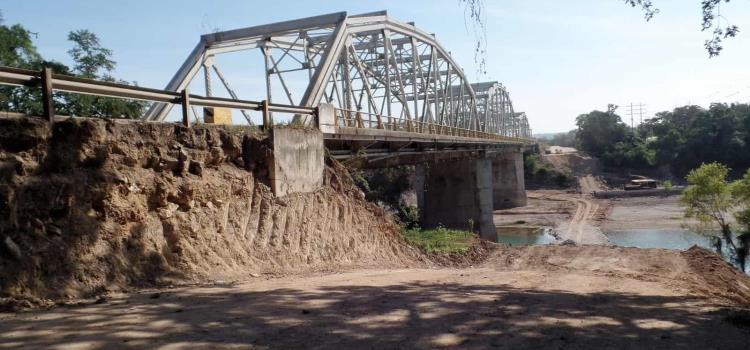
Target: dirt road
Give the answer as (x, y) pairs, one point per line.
(570, 298)
(582, 227)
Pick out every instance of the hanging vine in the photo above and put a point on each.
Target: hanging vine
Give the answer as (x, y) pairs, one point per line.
(474, 16)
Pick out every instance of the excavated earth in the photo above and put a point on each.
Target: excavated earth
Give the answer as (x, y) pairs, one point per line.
(94, 206)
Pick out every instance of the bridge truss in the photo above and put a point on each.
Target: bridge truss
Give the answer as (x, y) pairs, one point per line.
(379, 73)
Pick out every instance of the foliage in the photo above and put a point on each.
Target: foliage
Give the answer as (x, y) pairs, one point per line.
(710, 199)
(604, 135)
(387, 187)
(564, 139)
(541, 174)
(440, 240)
(474, 13)
(690, 135)
(91, 60)
(712, 20)
(598, 132)
(667, 184)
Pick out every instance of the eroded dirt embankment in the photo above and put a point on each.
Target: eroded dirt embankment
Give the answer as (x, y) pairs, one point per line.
(93, 206)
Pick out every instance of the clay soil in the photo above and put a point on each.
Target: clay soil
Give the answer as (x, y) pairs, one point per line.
(556, 297)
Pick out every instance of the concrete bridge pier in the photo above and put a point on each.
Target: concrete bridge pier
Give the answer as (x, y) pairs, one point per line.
(457, 194)
(509, 189)
(463, 194)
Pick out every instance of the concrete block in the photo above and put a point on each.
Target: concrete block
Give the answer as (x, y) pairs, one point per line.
(216, 115)
(298, 163)
(326, 118)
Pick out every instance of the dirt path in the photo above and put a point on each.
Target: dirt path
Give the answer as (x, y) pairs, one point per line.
(582, 227)
(572, 298)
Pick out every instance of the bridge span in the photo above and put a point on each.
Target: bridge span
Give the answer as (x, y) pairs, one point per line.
(377, 93)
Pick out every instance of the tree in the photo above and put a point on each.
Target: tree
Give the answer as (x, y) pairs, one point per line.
(91, 60)
(689, 136)
(95, 62)
(598, 132)
(710, 198)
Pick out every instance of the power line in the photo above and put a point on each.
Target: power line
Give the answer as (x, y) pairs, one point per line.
(636, 111)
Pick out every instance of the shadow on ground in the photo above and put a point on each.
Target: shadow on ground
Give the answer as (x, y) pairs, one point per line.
(416, 315)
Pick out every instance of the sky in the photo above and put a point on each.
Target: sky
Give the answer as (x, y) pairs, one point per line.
(559, 59)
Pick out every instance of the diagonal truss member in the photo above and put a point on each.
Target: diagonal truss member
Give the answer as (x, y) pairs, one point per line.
(375, 70)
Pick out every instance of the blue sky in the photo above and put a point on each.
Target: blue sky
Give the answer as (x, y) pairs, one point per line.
(558, 58)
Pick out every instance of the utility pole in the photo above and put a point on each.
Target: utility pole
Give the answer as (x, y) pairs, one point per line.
(636, 110)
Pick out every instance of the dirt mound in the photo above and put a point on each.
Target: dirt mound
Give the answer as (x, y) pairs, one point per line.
(573, 163)
(94, 205)
(716, 277)
(696, 271)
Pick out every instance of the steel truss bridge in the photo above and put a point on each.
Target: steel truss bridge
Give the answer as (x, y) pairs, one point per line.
(379, 74)
(392, 89)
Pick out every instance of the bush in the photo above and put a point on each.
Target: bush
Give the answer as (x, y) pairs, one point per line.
(541, 174)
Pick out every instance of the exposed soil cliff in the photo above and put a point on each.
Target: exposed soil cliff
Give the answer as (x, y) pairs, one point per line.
(95, 205)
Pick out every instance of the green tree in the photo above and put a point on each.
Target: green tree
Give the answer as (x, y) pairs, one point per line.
(598, 132)
(91, 59)
(710, 199)
(95, 62)
(689, 136)
(16, 47)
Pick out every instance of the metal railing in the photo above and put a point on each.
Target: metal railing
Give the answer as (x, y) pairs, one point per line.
(49, 82)
(365, 120)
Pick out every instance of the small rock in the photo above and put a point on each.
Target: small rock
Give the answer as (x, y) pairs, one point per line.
(216, 156)
(38, 223)
(119, 178)
(54, 230)
(254, 275)
(168, 163)
(155, 296)
(183, 163)
(196, 167)
(12, 248)
(569, 242)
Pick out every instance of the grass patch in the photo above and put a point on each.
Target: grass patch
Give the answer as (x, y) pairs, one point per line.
(440, 240)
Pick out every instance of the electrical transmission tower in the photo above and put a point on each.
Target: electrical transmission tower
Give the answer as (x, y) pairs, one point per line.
(636, 111)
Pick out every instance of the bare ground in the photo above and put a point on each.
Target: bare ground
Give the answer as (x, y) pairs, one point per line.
(554, 297)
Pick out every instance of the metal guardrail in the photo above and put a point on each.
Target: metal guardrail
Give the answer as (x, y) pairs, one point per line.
(56, 82)
(365, 120)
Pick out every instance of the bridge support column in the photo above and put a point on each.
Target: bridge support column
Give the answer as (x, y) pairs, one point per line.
(509, 189)
(458, 195)
(298, 163)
